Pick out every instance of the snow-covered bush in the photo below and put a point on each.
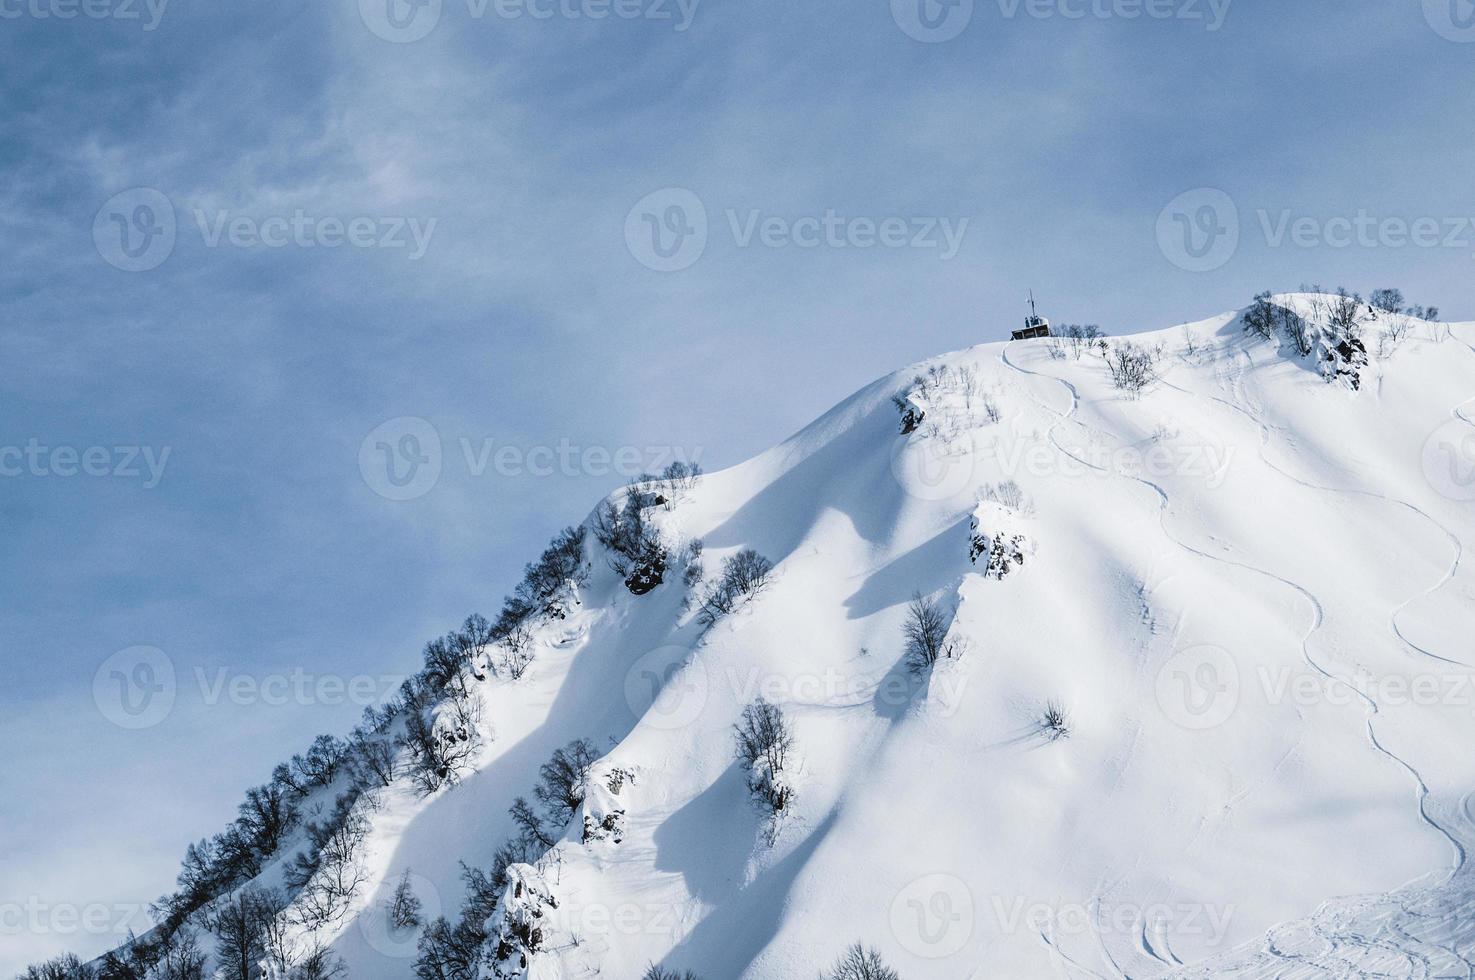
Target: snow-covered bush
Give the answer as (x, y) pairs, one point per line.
(1002, 553)
(743, 575)
(860, 963)
(692, 568)
(945, 401)
(604, 812)
(648, 568)
(441, 746)
(524, 907)
(926, 632)
(997, 537)
(764, 743)
(660, 973)
(634, 545)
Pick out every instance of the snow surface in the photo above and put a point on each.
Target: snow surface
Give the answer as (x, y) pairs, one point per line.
(1237, 583)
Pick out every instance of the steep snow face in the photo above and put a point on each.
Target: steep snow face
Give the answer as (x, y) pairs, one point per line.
(1240, 589)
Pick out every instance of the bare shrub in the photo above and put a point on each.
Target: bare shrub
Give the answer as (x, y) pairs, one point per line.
(1054, 722)
(860, 963)
(1008, 494)
(332, 871)
(1080, 339)
(743, 576)
(1132, 367)
(661, 973)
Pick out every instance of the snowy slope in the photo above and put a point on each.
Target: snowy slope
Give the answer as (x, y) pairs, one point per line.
(1244, 586)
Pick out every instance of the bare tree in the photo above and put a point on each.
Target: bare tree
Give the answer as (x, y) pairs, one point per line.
(66, 967)
(764, 743)
(375, 761)
(266, 816)
(530, 829)
(404, 904)
(860, 963)
(565, 780)
(1386, 300)
(1261, 317)
(240, 925)
(1345, 314)
(320, 964)
(926, 633)
(1079, 339)
(181, 959)
(320, 765)
(472, 641)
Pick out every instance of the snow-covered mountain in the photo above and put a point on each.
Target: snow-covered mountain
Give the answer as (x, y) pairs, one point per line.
(1200, 700)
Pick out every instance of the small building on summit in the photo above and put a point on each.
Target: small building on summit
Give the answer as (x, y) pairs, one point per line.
(1034, 324)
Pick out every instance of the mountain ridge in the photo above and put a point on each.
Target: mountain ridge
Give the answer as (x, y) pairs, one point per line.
(1109, 485)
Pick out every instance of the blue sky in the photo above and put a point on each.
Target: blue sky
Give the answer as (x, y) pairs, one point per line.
(241, 238)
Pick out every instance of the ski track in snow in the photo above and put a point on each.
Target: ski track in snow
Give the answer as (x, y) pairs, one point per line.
(1247, 410)
(1350, 936)
(1373, 936)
